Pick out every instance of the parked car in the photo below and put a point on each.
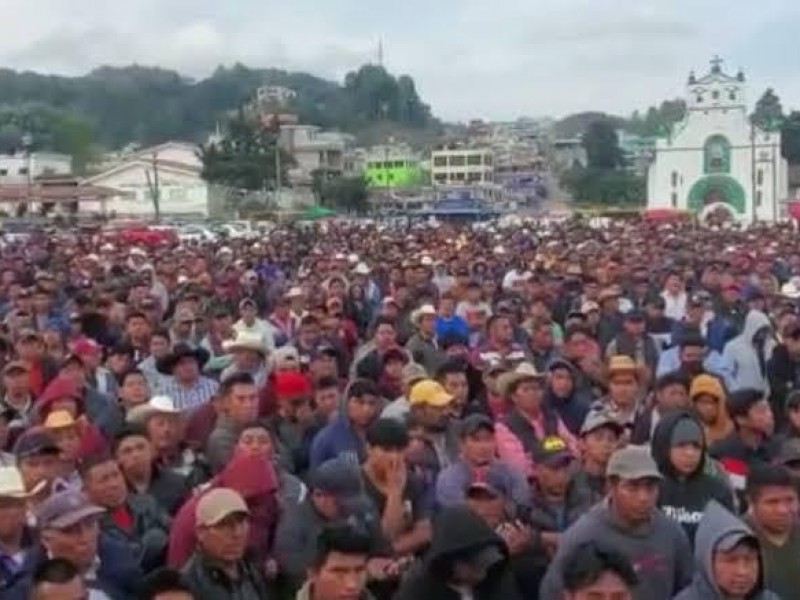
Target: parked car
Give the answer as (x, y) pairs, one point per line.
(196, 233)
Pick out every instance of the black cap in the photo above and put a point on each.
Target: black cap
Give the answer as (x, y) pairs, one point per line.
(552, 451)
(741, 401)
(793, 399)
(474, 423)
(634, 315)
(453, 339)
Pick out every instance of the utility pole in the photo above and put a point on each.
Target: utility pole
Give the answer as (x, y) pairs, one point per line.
(153, 184)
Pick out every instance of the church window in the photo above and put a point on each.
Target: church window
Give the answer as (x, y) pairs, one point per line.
(715, 95)
(674, 179)
(717, 153)
(674, 200)
(699, 98)
(760, 177)
(732, 95)
(758, 198)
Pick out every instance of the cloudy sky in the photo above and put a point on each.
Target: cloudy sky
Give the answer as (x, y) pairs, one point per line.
(470, 58)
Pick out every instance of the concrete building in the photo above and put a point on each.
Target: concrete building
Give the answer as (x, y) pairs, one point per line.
(568, 153)
(316, 150)
(715, 159)
(462, 166)
(392, 166)
(22, 168)
(183, 192)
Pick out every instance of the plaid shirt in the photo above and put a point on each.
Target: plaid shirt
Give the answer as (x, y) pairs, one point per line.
(188, 398)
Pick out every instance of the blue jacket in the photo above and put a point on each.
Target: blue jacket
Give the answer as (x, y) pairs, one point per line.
(118, 575)
(714, 363)
(336, 438)
(455, 325)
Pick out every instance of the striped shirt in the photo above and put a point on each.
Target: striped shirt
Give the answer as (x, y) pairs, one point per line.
(186, 398)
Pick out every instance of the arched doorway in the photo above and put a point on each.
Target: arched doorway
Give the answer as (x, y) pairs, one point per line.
(714, 190)
(716, 214)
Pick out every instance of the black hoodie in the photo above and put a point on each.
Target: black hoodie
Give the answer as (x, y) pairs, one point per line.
(458, 532)
(683, 499)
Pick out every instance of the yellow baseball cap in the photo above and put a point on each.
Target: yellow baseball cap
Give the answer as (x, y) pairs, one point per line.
(429, 392)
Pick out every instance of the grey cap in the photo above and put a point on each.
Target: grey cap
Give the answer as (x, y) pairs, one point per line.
(633, 462)
(64, 509)
(595, 419)
(342, 479)
(687, 431)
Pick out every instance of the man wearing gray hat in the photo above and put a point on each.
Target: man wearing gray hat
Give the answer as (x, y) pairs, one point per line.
(69, 528)
(629, 521)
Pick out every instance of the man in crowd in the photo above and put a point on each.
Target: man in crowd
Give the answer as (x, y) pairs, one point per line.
(596, 571)
(135, 520)
(631, 523)
(773, 517)
(727, 558)
(219, 567)
(236, 406)
(339, 568)
(57, 579)
(600, 435)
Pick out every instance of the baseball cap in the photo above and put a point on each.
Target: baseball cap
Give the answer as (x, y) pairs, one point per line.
(595, 419)
(793, 399)
(64, 509)
(634, 315)
(730, 540)
(217, 505)
(452, 339)
(474, 423)
(341, 479)
(33, 443)
(429, 392)
(552, 451)
(491, 481)
(633, 462)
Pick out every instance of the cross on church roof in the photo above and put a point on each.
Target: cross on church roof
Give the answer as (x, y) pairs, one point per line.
(716, 64)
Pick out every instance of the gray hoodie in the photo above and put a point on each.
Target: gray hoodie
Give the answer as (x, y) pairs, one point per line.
(748, 356)
(659, 551)
(716, 524)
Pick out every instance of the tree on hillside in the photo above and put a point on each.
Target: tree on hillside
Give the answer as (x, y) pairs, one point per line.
(601, 143)
(768, 113)
(790, 138)
(245, 158)
(657, 120)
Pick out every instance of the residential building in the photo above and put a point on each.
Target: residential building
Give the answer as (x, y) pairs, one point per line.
(460, 166)
(177, 168)
(316, 150)
(392, 166)
(716, 160)
(568, 153)
(22, 168)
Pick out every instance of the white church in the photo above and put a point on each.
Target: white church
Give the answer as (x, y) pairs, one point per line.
(715, 159)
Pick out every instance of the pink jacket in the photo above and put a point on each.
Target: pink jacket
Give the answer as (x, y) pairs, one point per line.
(511, 450)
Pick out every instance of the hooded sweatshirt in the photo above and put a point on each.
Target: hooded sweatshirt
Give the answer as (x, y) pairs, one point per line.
(458, 532)
(682, 498)
(659, 551)
(716, 524)
(749, 352)
(254, 478)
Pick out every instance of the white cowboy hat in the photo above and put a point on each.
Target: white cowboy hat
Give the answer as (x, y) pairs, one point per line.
(523, 372)
(245, 340)
(790, 290)
(422, 311)
(361, 269)
(156, 405)
(294, 292)
(11, 484)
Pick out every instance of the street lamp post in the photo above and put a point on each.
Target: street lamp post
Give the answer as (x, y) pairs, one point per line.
(27, 142)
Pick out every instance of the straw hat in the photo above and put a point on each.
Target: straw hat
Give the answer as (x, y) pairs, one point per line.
(524, 372)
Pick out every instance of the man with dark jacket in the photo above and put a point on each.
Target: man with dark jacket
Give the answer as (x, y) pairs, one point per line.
(671, 393)
(562, 396)
(132, 519)
(727, 558)
(69, 529)
(219, 569)
(679, 449)
(466, 560)
(783, 370)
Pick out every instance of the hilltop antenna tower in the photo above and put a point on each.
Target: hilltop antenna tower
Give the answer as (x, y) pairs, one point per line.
(380, 52)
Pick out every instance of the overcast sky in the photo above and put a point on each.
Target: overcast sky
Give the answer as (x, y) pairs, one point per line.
(470, 58)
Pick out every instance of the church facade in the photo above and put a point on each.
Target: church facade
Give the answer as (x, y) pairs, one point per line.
(715, 159)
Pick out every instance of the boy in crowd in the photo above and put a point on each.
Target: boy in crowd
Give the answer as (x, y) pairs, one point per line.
(727, 558)
(600, 436)
(679, 449)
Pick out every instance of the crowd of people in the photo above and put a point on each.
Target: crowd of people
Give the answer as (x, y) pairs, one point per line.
(353, 411)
